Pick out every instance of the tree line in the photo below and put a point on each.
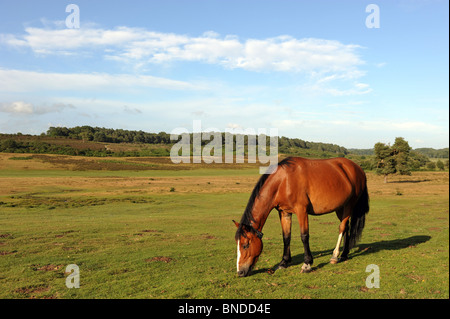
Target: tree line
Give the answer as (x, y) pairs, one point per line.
(384, 159)
(108, 135)
(433, 153)
(11, 145)
(429, 152)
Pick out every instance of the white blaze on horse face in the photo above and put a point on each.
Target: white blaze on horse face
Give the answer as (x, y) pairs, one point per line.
(238, 255)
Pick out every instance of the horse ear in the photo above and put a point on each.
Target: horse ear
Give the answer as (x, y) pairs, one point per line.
(236, 223)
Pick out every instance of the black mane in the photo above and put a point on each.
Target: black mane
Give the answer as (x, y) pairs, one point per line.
(247, 217)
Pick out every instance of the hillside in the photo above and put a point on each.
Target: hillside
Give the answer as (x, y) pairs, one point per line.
(433, 153)
(95, 141)
(102, 142)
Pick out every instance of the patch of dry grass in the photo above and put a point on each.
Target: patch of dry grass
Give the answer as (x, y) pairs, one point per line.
(79, 163)
(418, 184)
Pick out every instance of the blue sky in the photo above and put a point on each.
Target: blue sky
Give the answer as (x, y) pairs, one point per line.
(311, 69)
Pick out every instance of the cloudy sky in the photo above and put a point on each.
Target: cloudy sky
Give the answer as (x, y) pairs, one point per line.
(311, 69)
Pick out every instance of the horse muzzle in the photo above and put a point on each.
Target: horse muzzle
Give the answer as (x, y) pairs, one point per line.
(244, 271)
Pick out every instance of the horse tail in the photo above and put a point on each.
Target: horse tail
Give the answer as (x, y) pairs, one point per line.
(358, 218)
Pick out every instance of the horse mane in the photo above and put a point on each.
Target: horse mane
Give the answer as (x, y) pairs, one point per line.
(247, 217)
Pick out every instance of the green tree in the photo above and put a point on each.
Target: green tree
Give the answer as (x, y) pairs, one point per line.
(8, 145)
(86, 136)
(384, 159)
(417, 160)
(100, 136)
(401, 151)
(440, 165)
(392, 159)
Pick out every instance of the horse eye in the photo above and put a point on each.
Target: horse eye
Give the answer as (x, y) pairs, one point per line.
(246, 246)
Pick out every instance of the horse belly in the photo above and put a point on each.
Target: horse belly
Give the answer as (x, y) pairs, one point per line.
(329, 196)
(320, 207)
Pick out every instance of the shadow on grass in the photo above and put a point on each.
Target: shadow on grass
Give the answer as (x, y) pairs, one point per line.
(360, 250)
(410, 181)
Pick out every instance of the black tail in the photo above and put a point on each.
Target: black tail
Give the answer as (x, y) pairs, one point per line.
(358, 218)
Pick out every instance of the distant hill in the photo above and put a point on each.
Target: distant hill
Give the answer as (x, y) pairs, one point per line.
(99, 141)
(433, 153)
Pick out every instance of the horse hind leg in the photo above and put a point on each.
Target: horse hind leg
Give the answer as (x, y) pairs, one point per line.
(344, 255)
(343, 216)
(335, 259)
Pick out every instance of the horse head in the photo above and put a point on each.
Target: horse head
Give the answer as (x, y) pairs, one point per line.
(249, 247)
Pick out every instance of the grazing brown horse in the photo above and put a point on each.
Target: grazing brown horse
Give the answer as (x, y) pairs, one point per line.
(303, 187)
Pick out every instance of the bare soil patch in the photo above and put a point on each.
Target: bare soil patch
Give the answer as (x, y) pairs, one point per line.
(160, 258)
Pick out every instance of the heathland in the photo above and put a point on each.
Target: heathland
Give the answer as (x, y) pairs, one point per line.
(143, 227)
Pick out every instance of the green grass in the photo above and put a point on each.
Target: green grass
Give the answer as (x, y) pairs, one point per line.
(21, 158)
(182, 246)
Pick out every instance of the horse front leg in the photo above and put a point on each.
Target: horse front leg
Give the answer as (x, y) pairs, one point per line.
(286, 223)
(304, 230)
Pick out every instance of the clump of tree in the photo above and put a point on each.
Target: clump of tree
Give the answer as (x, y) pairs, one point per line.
(10, 145)
(392, 159)
(439, 165)
(37, 147)
(417, 161)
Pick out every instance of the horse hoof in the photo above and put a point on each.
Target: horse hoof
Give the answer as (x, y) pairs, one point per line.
(306, 268)
(282, 265)
(334, 260)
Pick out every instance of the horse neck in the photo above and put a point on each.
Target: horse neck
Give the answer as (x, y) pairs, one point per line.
(263, 205)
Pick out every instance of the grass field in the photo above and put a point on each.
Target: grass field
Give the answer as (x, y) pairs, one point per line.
(141, 228)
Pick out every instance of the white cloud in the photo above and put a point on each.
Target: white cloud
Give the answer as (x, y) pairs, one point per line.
(138, 45)
(21, 107)
(16, 107)
(234, 126)
(393, 125)
(26, 81)
(57, 41)
(397, 126)
(336, 88)
(414, 126)
(131, 110)
(358, 89)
